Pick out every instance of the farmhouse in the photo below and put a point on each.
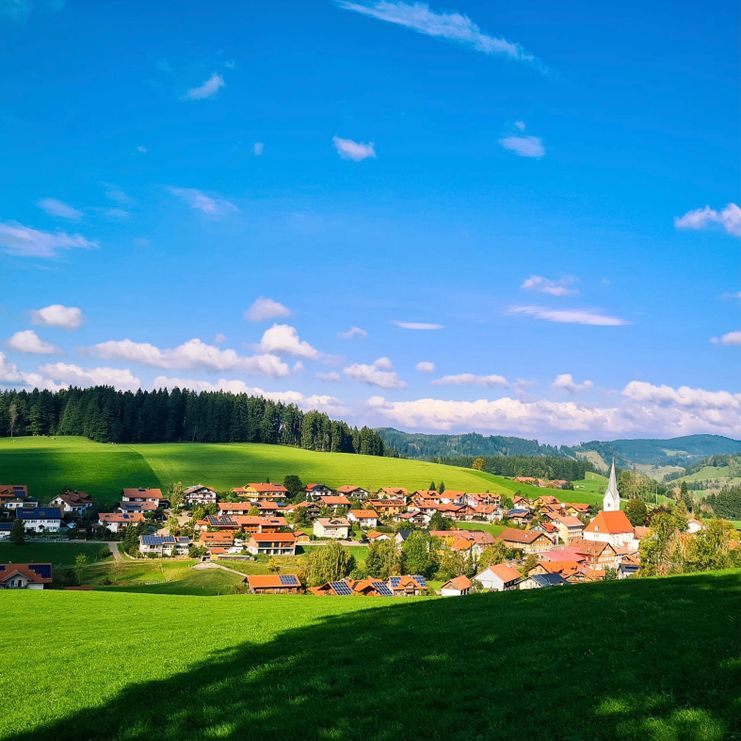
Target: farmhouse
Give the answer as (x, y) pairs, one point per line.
(25, 575)
(74, 503)
(41, 519)
(387, 507)
(456, 587)
(332, 527)
(137, 496)
(364, 517)
(313, 491)
(199, 494)
(499, 578)
(272, 544)
(164, 545)
(528, 541)
(117, 521)
(274, 584)
(596, 553)
(407, 586)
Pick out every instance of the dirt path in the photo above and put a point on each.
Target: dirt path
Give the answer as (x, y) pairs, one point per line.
(211, 565)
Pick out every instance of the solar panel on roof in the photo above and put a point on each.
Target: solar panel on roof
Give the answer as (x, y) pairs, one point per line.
(395, 581)
(42, 569)
(420, 580)
(382, 589)
(340, 588)
(288, 580)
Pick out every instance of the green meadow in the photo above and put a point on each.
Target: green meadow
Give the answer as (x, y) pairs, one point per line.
(642, 660)
(48, 465)
(57, 554)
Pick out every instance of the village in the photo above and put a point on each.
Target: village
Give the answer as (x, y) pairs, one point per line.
(518, 544)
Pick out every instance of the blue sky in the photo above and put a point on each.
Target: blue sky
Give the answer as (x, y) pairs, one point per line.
(535, 202)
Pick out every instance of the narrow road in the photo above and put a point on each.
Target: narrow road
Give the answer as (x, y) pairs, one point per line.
(210, 565)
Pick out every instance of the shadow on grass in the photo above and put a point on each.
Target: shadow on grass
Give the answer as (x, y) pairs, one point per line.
(641, 660)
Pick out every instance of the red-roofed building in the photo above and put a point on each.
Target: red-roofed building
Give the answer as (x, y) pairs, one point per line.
(274, 584)
(499, 578)
(364, 517)
(611, 527)
(272, 544)
(528, 541)
(25, 575)
(456, 587)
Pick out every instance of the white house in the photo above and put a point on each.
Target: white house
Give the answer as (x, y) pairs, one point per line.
(25, 575)
(456, 587)
(499, 578)
(364, 517)
(117, 521)
(164, 545)
(74, 503)
(332, 527)
(140, 495)
(611, 527)
(200, 494)
(41, 519)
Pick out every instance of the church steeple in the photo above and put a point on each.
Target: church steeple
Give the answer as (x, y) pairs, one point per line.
(611, 500)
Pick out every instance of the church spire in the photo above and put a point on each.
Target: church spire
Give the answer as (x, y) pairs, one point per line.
(611, 500)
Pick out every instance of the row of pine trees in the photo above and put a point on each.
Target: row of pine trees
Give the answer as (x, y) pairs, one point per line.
(103, 414)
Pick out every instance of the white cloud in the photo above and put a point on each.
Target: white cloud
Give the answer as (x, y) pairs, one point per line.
(524, 146)
(18, 239)
(540, 284)
(566, 382)
(283, 338)
(9, 372)
(258, 148)
(471, 379)
(28, 341)
(643, 409)
(191, 354)
(206, 90)
(58, 315)
(729, 218)
(569, 316)
(265, 308)
(331, 376)
(55, 207)
(729, 338)
(213, 206)
(352, 332)
(421, 326)
(380, 373)
(352, 150)
(451, 26)
(61, 375)
(321, 402)
(425, 366)
(520, 125)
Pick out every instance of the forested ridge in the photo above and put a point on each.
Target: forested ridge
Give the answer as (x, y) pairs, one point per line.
(105, 415)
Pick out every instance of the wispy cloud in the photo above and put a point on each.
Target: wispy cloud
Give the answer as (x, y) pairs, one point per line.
(569, 316)
(58, 315)
(213, 206)
(566, 382)
(729, 218)
(206, 90)
(451, 26)
(471, 379)
(264, 308)
(729, 338)
(55, 207)
(540, 284)
(425, 366)
(420, 326)
(524, 146)
(352, 150)
(352, 333)
(18, 239)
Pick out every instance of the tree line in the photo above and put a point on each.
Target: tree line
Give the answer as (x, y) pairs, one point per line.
(104, 414)
(540, 466)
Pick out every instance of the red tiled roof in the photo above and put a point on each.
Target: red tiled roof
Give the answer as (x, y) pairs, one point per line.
(142, 493)
(269, 581)
(458, 582)
(24, 569)
(609, 522)
(504, 572)
(521, 536)
(363, 514)
(332, 500)
(273, 537)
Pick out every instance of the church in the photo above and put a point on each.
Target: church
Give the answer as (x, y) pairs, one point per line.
(611, 524)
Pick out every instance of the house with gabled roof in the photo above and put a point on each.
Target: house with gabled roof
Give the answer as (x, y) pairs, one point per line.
(25, 575)
(364, 517)
(353, 492)
(538, 581)
(200, 494)
(261, 492)
(164, 545)
(499, 578)
(392, 492)
(74, 503)
(337, 528)
(596, 552)
(313, 491)
(387, 507)
(272, 544)
(410, 585)
(142, 494)
(528, 541)
(569, 528)
(117, 521)
(41, 519)
(335, 502)
(456, 587)
(611, 527)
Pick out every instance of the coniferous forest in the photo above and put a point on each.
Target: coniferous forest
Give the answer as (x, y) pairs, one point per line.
(105, 415)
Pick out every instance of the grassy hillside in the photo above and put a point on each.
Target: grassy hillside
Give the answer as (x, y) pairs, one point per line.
(57, 554)
(49, 464)
(239, 667)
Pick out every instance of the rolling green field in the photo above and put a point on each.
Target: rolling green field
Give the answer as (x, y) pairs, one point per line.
(57, 554)
(638, 659)
(47, 465)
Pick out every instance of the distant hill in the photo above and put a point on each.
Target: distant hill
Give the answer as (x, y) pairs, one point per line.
(650, 455)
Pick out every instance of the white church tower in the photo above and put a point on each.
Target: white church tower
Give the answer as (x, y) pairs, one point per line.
(611, 500)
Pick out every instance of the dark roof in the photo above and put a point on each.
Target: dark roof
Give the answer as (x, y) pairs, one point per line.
(39, 513)
(404, 533)
(162, 540)
(549, 580)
